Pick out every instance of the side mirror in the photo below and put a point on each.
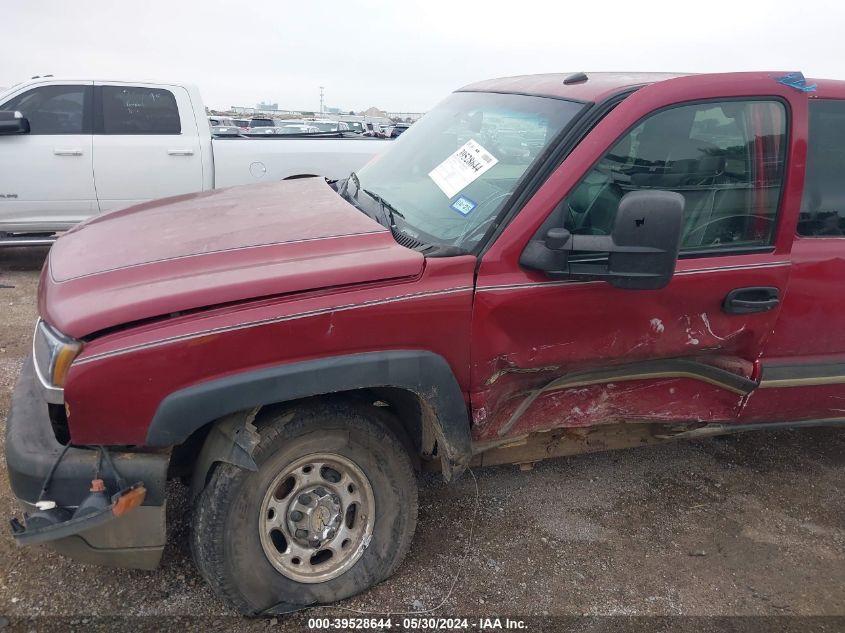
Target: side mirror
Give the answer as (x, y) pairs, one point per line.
(641, 252)
(12, 122)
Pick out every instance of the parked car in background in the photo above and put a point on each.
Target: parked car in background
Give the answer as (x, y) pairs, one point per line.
(259, 122)
(298, 128)
(83, 147)
(242, 124)
(355, 126)
(225, 130)
(397, 129)
(221, 121)
(327, 125)
(668, 266)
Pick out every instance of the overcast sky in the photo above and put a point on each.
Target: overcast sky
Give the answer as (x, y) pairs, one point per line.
(405, 55)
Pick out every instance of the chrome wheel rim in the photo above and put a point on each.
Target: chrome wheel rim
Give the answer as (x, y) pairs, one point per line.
(317, 518)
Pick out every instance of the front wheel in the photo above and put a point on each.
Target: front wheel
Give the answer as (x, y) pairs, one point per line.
(330, 512)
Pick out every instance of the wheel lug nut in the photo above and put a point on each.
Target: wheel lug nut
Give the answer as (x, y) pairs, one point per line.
(321, 492)
(296, 515)
(305, 499)
(301, 534)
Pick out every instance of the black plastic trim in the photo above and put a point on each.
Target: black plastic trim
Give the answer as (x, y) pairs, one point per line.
(803, 371)
(424, 373)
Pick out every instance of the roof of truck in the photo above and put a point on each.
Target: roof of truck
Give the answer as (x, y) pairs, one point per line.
(598, 86)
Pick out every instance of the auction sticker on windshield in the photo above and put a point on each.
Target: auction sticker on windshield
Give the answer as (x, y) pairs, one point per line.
(467, 164)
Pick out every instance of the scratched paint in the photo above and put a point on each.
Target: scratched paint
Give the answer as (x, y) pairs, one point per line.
(672, 400)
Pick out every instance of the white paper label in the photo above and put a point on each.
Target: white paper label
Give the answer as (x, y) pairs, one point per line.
(461, 168)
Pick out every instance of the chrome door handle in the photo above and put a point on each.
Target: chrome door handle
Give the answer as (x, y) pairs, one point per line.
(180, 152)
(67, 152)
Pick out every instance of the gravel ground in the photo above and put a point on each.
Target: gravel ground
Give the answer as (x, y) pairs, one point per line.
(749, 525)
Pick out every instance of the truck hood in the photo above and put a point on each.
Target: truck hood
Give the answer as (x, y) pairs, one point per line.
(212, 248)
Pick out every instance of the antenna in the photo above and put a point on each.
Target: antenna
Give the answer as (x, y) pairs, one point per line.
(321, 98)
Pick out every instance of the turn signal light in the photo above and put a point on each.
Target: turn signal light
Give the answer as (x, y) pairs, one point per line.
(131, 499)
(63, 360)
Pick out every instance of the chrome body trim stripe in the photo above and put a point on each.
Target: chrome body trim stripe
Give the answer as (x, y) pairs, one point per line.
(280, 319)
(692, 271)
(719, 269)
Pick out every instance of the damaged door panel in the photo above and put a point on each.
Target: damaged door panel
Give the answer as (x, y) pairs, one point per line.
(551, 351)
(633, 330)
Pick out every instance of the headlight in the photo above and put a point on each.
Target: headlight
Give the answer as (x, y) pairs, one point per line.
(53, 352)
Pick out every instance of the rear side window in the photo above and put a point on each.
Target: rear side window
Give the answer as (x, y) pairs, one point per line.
(823, 204)
(139, 110)
(725, 158)
(54, 109)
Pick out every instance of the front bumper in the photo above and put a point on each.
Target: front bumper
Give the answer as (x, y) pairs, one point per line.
(134, 540)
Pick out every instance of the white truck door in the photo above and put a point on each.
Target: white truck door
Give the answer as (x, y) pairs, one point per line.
(146, 144)
(46, 179)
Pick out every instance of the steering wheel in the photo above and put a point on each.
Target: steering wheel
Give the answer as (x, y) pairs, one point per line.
(715, 221)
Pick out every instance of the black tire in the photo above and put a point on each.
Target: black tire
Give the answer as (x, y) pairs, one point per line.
(225, 539)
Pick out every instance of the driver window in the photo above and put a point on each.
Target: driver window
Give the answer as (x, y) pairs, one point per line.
(54, 109)
(725, 158)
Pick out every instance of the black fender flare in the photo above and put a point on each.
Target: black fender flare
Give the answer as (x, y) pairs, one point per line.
(424, 373)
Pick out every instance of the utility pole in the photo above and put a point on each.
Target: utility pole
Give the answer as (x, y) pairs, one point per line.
(321, 98)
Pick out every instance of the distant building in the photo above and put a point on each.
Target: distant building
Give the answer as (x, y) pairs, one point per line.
(374, 112)
(267, 106)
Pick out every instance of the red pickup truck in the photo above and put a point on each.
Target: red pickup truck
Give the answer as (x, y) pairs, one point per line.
(542, 266)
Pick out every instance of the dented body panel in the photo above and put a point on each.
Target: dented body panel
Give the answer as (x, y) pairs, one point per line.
(214, 248)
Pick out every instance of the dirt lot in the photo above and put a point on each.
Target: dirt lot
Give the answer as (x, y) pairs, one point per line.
(750, 525)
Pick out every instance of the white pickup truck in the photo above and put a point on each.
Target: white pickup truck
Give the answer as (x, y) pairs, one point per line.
(70, 149)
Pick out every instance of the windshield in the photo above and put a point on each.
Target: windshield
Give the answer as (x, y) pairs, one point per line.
(261, 123)
(450, 173)
(324, 126)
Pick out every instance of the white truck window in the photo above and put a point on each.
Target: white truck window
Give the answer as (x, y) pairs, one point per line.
(139, 110)
(53, 109)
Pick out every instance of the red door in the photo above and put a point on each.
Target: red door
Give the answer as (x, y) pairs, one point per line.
(548, 354)
(803, 363)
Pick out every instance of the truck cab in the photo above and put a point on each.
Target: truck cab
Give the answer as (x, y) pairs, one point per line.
(87, 143)
(92, 146)
(543, 266)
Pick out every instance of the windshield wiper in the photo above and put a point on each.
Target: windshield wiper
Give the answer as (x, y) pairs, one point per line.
(389, 210)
